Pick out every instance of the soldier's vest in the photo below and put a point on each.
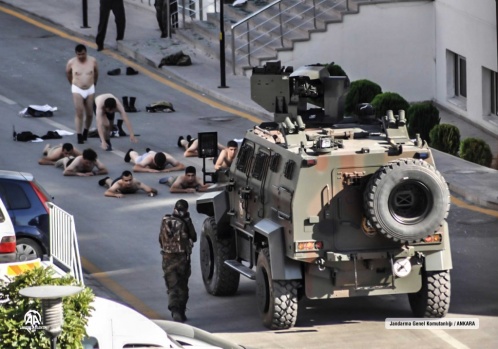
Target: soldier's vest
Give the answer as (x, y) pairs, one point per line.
(174, 235)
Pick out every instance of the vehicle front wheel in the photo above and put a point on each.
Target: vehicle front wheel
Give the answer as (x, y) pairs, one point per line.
(219, 279)
(277, 299)
(433, 299)
(27, 250)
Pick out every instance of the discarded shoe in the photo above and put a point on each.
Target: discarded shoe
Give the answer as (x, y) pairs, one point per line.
(179, 143)
(102, 181)
(131, 107)
(189, 138)
(114, 72)
(131, 71)
(147, 150)
(177, 317)
(127, 157)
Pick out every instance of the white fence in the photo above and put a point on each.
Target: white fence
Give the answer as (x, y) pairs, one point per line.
(64, 250)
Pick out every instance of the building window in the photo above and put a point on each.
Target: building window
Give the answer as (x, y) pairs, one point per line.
(493, 94)
(460, 76)
(489, 92)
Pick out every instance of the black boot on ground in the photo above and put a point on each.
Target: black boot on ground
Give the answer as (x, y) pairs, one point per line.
(121, 132)
(85, 134)
(125, 104)
(81, 140)
(132, 108)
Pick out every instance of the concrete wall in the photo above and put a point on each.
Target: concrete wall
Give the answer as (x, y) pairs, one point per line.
(390, 44)
(467, 28)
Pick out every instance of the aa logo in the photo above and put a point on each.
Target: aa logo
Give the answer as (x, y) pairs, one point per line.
(32, 321)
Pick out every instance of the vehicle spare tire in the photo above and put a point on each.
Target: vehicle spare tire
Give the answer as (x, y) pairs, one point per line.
(407, 200)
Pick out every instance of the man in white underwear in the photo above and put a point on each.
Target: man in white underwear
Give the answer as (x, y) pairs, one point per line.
(82, 73)
(153, 162)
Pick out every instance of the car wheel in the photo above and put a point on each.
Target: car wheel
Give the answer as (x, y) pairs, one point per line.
(219, 279)
(27, 249)
(407, 200)
(433, 299)
(277, 299)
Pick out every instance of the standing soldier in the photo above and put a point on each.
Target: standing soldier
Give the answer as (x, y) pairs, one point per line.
(177, 236)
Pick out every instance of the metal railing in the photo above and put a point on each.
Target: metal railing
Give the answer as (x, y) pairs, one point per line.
(64, 250)
(303, 15)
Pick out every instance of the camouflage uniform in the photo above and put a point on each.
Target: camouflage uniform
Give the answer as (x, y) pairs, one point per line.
(176, 238)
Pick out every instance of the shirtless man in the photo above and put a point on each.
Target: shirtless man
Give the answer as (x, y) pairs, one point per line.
(226, 156)
(52, 154)
(125, 184)
(187, 183)
(82, 73)
(153, 162)
(106, 105)
(190, 145)
(84, 165)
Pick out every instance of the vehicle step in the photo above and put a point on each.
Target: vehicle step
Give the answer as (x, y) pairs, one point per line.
(241, 268)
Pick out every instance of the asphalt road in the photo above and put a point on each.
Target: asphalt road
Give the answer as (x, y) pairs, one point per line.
(118, 237)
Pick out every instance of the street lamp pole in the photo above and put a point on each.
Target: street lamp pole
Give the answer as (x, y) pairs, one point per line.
(222, 47)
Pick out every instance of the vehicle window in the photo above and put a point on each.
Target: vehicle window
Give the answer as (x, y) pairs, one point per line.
(13, 196)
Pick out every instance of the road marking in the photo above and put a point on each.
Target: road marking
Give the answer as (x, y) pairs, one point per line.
(449, 339)
(463, 204)
(119, 290)
(6, 100)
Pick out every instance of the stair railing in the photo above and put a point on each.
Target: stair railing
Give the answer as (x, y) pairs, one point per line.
(247, 49)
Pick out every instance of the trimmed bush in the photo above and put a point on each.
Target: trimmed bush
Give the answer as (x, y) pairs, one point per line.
(388, 101)
(76, 310)
(335, 70)
(446, 138)
(421, 118)
(360, 91)
(477, 151)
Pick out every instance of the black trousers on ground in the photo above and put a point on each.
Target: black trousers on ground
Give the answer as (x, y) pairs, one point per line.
(162, 15)
(117, 8)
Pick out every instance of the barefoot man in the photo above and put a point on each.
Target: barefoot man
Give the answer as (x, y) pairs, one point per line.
(82, 73)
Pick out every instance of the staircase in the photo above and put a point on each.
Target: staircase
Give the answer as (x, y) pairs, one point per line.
(257, 31)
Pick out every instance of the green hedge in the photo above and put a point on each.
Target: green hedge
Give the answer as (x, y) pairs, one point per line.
(421, 118)
(335, 70)
(360, 91)
(76, 310)
(446, 138)
(476, 150)
(389, 101)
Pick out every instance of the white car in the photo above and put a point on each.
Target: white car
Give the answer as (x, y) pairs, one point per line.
(116, 326)
(7, 236)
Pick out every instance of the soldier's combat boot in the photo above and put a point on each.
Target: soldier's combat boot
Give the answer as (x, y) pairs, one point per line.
(122, 133)
(85, 134)
(80, 139)
(131, 107)
(125, 104)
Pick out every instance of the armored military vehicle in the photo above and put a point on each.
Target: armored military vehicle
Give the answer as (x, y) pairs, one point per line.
(321, 205)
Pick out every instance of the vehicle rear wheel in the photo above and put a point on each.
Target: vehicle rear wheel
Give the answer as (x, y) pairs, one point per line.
(277, 299)
(407, 200)
(27, 249)
(219, 279)
(433, 299)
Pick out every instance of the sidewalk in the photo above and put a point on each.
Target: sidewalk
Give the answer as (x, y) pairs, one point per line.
(476, 184)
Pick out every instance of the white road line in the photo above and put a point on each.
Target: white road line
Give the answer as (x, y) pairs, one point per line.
(449, 339)
(6, 100)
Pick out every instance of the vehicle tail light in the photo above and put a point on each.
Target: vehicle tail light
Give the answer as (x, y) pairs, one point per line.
(308, 163)
(433, 238)
(43, 198)
(8, 244)
(307, 246)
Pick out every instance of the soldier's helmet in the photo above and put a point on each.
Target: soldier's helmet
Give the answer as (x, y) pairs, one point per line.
(181, 207)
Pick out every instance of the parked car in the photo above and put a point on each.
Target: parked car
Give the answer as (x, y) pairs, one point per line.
(26, 201)
(113, 325)
(7, 236)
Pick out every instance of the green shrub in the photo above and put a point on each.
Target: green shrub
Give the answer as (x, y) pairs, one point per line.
(421, 118)
(335, 70)
(446, 138)
(76, 310)
(388, 101)
(360, 91)
(476, 150)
